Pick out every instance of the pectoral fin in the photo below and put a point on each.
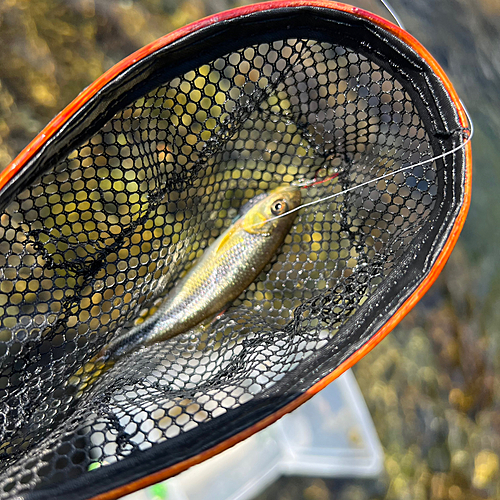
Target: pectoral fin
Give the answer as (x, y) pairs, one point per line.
(225, 241)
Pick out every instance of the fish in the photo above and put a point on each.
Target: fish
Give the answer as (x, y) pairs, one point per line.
(226, 268)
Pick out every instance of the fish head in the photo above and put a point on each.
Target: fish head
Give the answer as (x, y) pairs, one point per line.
(275, 211)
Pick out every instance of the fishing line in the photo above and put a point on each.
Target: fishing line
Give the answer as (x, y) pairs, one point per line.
(388, 6)
(376, 179)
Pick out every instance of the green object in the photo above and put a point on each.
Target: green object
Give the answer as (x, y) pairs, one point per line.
(158, 491)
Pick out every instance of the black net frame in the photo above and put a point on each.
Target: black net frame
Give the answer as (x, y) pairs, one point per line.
(60, 412)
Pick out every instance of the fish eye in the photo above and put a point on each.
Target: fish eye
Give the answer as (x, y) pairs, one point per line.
(279, 207)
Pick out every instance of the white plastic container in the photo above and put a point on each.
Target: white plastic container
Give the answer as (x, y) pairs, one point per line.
(332, 435)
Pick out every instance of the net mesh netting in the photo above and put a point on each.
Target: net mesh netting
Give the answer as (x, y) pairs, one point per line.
(96, 242)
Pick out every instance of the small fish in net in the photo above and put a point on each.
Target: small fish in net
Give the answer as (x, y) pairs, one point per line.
(224, 271)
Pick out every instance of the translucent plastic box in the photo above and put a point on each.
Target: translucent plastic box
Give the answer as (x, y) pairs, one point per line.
(332, 435)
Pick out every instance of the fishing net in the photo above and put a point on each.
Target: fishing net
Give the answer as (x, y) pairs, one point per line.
(100, 222)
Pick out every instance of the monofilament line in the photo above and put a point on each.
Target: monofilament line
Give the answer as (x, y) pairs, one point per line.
(384, 176)
(389, 7)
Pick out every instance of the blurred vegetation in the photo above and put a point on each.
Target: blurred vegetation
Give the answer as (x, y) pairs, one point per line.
(53, 49)
(433, 386)
(433, 390)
